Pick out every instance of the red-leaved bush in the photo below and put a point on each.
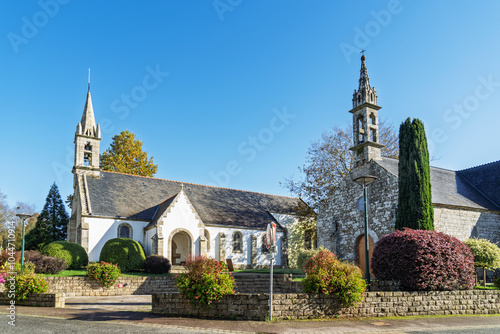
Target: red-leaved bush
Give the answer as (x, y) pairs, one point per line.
(424, 260)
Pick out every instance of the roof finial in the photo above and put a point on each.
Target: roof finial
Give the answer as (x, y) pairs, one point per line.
(89, 80)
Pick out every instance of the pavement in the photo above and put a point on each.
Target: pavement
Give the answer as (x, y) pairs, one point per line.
(135, 310)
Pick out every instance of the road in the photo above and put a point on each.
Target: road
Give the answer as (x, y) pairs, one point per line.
(35, 324)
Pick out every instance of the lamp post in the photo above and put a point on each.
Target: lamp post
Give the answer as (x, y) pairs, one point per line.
(23, 216)
(364, 181)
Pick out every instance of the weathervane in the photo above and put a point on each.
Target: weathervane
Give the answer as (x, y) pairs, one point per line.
(362, 51)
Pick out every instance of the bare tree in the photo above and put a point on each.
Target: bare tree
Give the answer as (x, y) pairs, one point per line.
(329, 160)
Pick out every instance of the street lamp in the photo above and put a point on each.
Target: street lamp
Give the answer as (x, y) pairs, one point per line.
(23, 216)
(364, 181)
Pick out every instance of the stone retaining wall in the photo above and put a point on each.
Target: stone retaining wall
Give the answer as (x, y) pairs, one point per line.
(37, 299)
(84, 286)
(308, 306)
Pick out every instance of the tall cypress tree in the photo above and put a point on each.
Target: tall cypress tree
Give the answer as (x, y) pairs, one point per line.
(415, 208)
(52, 223)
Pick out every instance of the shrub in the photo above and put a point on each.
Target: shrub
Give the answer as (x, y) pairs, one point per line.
(26, 281)
(5, 256)
(74, 254)
(328, 275)
(157, 264)
(205, 281)
(486, 254)
(424, 260)
(127, 253)
(45, 264)
(107, 273)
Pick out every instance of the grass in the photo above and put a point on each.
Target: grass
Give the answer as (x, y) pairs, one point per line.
(487, 287)
(83, 272)
(266, 271)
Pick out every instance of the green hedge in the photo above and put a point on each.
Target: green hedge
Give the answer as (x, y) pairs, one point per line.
(75, 255)
(127, 253)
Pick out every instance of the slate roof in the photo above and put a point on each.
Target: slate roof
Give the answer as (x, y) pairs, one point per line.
(486, 178)
(454, 188)
(141, 198)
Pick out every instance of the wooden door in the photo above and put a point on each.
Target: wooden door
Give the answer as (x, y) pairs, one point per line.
(361, 253)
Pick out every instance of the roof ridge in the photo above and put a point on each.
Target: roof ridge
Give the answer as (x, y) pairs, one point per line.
(435, 167)
(482, 165)
(197, 184)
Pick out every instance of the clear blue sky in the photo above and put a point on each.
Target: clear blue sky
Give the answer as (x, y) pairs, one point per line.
(232, 65)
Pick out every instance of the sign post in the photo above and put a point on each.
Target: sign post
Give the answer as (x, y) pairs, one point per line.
(270, 244)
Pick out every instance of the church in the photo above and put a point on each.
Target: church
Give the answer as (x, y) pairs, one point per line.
(170, 218)
(466, 202)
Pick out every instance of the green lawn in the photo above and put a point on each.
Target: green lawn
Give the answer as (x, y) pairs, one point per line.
(276, 271)
(487, 287)
(83, 272)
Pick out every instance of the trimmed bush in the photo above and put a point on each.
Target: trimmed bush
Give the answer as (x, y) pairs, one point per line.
(127, 253)
(328, 275)
(45, 264)
(424, 260)
(104, 272)
(157, 264)
(205, 281)
(75, 255)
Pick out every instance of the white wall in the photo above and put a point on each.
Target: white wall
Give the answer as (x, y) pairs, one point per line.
(103, 229)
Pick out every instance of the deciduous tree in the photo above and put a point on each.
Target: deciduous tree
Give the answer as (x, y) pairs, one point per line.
(125, 155)
(329, 160)
(486, 254)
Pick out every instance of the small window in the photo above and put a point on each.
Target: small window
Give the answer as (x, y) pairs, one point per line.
(87, 159)
(125, 231)
(88, 147)
(207, 237)
(308, 239)
(237, 242)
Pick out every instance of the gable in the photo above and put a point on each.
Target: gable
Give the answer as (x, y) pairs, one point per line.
(448, 187)
(485, 178)
(141, 198)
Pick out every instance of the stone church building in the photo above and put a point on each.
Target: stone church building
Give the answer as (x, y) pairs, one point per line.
(466, 202)
(170, 218)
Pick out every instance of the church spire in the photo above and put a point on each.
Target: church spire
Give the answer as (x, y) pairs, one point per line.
(365, 92)
(87, 125)
(365, 120)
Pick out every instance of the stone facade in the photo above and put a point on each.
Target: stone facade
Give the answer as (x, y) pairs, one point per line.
(314, 306)
(341, 224)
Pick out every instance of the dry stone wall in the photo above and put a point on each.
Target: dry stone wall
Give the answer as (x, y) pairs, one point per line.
(310, 306)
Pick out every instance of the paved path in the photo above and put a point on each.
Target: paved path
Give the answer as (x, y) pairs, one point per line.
(134, 310)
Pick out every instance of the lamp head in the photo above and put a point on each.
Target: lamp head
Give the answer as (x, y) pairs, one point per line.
(365, 180)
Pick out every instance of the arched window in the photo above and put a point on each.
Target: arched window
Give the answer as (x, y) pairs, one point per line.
(373, 119)
(207, 237)
(263, 247)
(237, 242)
(125, 231)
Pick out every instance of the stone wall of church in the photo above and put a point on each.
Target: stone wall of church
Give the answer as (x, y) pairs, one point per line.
(460, 222)
(341, 223)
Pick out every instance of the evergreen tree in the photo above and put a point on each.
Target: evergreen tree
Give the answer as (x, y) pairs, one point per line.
(52, 223)
(415, 200)
(125, 155)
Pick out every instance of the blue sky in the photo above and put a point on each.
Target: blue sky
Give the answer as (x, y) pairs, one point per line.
(231, 92)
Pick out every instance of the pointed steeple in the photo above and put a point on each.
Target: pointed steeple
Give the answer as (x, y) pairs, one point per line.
(365, 93)
(87, 126)
(365, 120)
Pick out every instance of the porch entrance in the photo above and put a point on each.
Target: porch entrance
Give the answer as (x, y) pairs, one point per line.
(180, 248)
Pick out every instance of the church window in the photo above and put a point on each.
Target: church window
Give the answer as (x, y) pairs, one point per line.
(124, 231)
(374, 135)
(263, 247)
(361, 131)
(207, 237)
(87, 155)
(154, 240)
(237, 242)
(308, 236)
(373, 119)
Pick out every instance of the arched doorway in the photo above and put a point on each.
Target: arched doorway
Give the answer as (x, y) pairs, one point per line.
(361, 253)
(180, 247)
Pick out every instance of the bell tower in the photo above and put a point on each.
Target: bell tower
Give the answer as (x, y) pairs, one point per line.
(365, 120)
(87, 140)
